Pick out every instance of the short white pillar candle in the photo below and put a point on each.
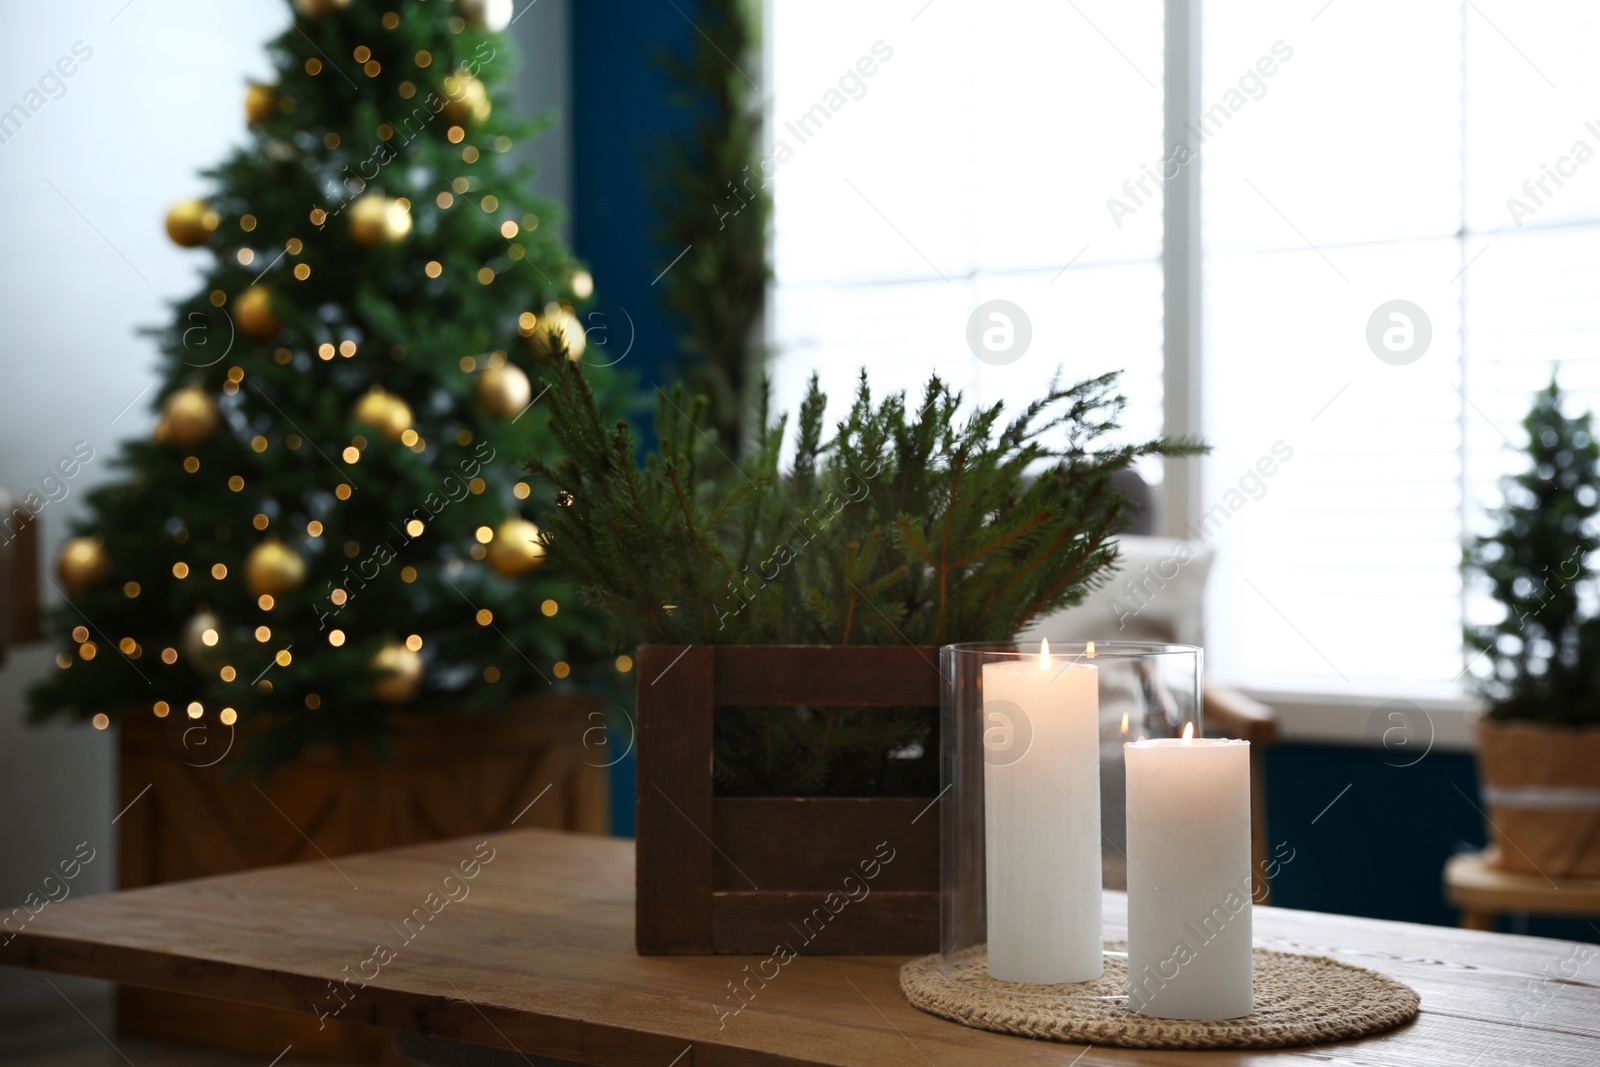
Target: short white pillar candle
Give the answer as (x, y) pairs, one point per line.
(1189, 888)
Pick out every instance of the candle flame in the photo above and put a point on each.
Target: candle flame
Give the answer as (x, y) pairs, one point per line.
(1124, 722)
(1089, 650)
(1188, 731)
(1044, 654)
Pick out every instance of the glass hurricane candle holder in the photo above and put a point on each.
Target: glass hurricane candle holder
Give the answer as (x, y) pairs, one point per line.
(1031, 755)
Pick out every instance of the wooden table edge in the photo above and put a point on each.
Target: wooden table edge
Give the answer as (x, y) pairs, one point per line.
(429, 1014)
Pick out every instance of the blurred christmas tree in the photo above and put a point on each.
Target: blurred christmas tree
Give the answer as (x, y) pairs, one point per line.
(328, 526)
(1541, 660)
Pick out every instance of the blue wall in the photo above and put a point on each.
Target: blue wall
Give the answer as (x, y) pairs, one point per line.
(1380, 849)
(620, 112)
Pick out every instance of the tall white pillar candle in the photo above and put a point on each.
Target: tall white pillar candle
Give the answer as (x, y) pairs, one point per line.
(1041, 788)
(1189, 888)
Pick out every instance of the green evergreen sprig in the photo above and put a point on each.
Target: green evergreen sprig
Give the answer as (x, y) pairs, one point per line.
(911, 523)
(915, 523)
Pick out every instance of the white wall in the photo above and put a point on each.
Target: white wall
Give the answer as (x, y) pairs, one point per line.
(85, 185)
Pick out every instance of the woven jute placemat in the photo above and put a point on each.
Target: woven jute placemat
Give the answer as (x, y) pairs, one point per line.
(1299, 1000)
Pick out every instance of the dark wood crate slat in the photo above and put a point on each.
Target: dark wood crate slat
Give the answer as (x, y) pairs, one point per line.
(804, 843)
(881, 923)
(674, 873)
(867, 675)
(794, 853)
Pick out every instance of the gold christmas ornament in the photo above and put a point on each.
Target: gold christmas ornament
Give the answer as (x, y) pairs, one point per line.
(565, 323)
(399, 674)
(272, 569)
(366, 219)
(252, 313)
(316, 9)
(374, 217)
(504, 391)
(259, 103)
(465, 99)
(188, 417)
(491, 15)
(83, 564)
(191, 223)
(201, 635)
(515, 549)
(384, 412)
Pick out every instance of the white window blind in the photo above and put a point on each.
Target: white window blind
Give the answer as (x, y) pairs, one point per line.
(972, 164)
(1444, 153)
(1377, 167)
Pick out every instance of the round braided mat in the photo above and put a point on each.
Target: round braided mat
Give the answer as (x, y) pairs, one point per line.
(1299, 1000)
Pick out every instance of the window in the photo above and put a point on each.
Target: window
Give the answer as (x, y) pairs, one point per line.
(1384, 161)
(1444, 154)
(971, 164)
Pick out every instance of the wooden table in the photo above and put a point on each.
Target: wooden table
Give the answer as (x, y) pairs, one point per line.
(535, 953)
(1483, 892)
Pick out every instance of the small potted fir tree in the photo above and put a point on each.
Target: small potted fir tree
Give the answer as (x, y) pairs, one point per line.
(1539, 665)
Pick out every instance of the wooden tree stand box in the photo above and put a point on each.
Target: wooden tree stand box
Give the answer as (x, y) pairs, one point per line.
(743, 875)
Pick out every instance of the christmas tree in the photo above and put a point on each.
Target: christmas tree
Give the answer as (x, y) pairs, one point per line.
(1543, 656)
(329, 526)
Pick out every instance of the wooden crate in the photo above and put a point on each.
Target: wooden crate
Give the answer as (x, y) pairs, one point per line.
(451, 776)
(746, 874)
